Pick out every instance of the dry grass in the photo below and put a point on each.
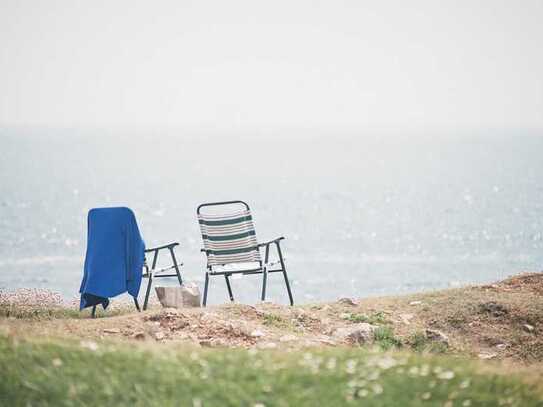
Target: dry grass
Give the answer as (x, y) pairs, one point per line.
(502, 321)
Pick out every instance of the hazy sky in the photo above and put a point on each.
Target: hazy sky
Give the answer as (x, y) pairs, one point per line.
(261, 63)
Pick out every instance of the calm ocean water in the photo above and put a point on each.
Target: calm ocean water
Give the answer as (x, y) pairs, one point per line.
(362, 216)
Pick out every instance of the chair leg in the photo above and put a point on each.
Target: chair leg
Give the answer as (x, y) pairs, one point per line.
(288, 287)
(226, 277)
(264, 282)
(93, 312)
(176, 266)
(137, 304)
(285, 276)
(206, 286)
(265, 272)
(147, 292)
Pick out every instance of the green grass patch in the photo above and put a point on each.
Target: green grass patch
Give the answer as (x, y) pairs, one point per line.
(270, 319)
(420, 343)
(384, 337)
(40, 313)
(376, 318)
(69, 373)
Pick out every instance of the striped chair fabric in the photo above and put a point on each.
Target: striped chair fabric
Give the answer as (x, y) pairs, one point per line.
(229, 238)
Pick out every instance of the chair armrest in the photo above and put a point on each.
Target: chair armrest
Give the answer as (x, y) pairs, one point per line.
(271, 241)
(166, 246)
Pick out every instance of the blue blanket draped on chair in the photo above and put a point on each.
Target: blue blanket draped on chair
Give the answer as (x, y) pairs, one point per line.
(114, 259)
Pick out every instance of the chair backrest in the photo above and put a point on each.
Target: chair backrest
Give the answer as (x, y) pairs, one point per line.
(228, 233)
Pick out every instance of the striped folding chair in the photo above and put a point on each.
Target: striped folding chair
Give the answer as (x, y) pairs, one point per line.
(231, 247)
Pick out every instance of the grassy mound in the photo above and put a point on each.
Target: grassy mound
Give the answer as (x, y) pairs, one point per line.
(68, 372)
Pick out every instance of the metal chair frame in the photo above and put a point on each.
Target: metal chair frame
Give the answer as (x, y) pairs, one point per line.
(153, 272)
(263, 267)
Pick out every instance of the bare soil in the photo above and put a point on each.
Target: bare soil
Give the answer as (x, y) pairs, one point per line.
(502, 321)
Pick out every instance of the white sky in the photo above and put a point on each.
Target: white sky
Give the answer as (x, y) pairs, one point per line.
(260, 63)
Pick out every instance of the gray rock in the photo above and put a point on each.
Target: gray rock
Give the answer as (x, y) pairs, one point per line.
(347, 301)
(528, 327)
(357, 333)
(187, 295)
(437, 336)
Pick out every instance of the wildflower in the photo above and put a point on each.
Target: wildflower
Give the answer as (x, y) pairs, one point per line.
(446, 375)
(426, 396)
(377, 388)
(90, 345)
(57, 362)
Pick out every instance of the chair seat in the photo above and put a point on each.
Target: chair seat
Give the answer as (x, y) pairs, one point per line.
(240, 268)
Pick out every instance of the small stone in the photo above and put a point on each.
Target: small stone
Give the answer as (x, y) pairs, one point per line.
(206, 342)
(437, 336)
(528, 327)
(139, 335)
(415, 303)
(406, 318)
(347, 301)
(159, 335)
(487, 355)
(357, 333)
(501, 346)
(111, 330)
(257, 333)
(327, 341)
(267, 345)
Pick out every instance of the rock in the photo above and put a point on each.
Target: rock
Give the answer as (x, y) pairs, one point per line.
(327, 340)
(415, 303)
(406, 318)
(206, 342)
(188, 295)
(267, 345)
(357, 333)
(501, 346)
(437, 336)
(111, 330)
(347, 301)
(139, 335)
(288, 338)
(208, 317)
(487, 355)
(257, 333)
(528, 327)
(159, 335)
(493, 308)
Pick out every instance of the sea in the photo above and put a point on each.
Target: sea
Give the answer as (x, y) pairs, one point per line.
(363, 213)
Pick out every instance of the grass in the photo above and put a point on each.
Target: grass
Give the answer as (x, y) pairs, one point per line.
(419, 342)
(376, 318)
(384, 337)
(270, 319)
(70, 373)
(41, 313)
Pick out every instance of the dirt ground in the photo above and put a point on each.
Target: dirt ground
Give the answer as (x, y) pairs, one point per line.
(502, 321)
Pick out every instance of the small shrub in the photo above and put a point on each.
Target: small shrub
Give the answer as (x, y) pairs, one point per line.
(375, 319)
(384, 337)
(419, 342)
(273, 320)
